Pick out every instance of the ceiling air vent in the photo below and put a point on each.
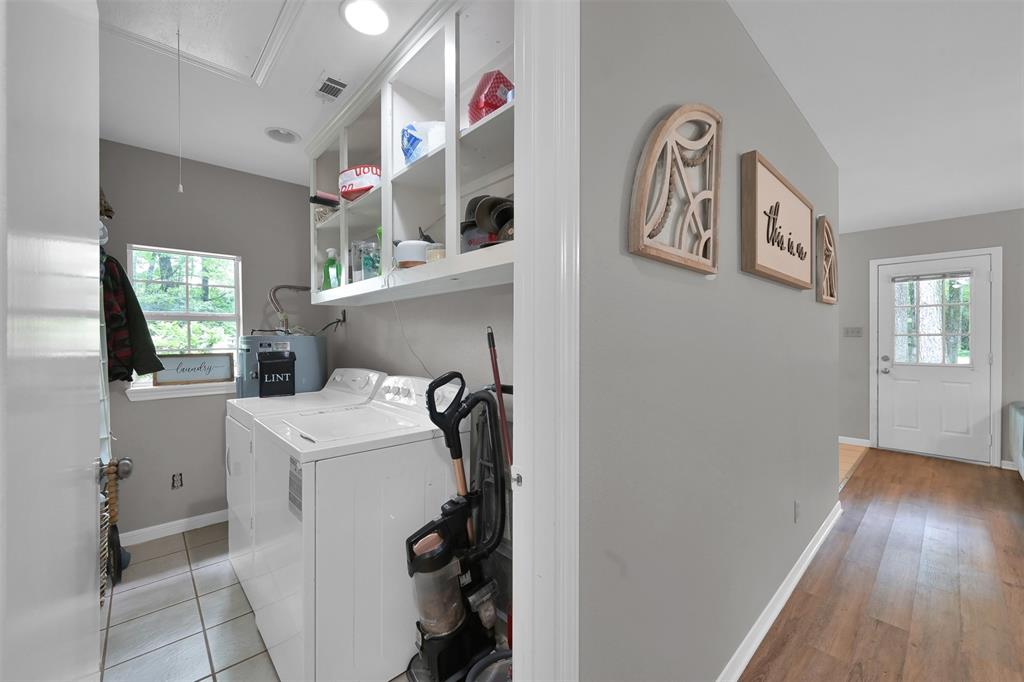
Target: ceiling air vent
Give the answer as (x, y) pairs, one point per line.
(330, 88)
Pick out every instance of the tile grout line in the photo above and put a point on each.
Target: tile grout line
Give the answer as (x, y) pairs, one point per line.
(167, 606)
(184, 549)
(250, 658)
(199, 608)
(193, 634)
(106, 631)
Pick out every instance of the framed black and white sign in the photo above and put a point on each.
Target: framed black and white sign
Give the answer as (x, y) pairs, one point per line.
(195, 368)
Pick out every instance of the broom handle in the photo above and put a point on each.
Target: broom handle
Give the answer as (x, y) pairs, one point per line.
(506, 442)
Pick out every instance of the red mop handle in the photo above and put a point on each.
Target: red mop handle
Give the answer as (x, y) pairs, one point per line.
(506, 442)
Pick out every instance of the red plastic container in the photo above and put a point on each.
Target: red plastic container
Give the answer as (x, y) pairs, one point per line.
(490, 95)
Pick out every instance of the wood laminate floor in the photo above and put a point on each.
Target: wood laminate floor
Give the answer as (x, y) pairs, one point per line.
(849, 456)
(922, 578)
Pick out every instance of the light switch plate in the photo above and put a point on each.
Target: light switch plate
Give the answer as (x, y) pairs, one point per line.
(853, 332)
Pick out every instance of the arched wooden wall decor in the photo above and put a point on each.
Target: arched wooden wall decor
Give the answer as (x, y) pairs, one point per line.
(828, 262)
(673, 214)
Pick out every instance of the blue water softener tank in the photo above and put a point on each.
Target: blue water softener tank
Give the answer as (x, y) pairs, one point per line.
(310, 361)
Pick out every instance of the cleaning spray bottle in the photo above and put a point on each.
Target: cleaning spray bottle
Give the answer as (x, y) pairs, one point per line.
(332, 273)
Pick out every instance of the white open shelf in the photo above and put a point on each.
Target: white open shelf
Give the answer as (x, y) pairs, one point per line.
(482, 268)
(418, 84)
(333, 221)
(426, 172)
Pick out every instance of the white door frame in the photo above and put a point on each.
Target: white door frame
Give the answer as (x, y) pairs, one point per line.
(996, 383)
(546, 342)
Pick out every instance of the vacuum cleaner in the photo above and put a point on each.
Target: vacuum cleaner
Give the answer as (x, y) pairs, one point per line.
(455, 600)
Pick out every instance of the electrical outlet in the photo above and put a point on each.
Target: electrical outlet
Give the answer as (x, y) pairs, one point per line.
(176, 481)
(796, 510)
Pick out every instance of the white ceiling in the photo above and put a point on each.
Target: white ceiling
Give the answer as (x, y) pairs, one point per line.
(229, 45)
(921, 104)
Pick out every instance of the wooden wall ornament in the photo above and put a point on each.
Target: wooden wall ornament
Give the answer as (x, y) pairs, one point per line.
(827, 262)
(777, 224)
(673, 214)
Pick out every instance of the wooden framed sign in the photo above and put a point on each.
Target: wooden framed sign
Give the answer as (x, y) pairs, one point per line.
(673, 214)
(195, 368)
(827, 262)
(777, 225)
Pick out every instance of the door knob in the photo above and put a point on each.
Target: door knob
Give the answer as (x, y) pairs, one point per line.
(885, 370)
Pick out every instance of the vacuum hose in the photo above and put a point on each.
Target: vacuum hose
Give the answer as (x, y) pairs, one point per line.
(488, 660)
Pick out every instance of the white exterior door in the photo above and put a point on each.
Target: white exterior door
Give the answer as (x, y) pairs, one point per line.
(935, 358)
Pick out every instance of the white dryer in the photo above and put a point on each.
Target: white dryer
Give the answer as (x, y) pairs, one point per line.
(337, 493)
(346, 386)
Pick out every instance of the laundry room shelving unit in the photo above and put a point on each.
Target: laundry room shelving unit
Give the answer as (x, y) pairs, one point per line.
(431, 76)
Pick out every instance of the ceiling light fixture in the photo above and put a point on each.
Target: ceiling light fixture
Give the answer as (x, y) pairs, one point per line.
(279, 134)
(365, 16)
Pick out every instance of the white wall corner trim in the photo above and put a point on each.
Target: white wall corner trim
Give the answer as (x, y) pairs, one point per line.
(738, 663)
(134, 537)
(546, 342)
(847, 440)
(1009, 465)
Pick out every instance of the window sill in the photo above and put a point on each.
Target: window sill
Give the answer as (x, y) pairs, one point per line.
(147, 392)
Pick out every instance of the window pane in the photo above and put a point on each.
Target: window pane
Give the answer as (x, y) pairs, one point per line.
(930, 320)
(931, 291)
(157, 297)
(958, 290)
(206, 335)
(906, 349)
(905, 322)
(905, 293)
(206, 270)
(958, 319)
(168, 335)
(930, 351)
(958, 350)
(211, 299)
(158, 265)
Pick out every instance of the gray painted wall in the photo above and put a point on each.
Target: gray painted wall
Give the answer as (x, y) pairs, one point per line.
(447, 332)
(707, 405)
(1005, 229)
(266, 223)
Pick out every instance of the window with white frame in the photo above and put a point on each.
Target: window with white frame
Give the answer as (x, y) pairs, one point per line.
(933, 319)
(192, 300)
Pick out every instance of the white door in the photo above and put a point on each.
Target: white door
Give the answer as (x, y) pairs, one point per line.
(49, 340)
(934, 357)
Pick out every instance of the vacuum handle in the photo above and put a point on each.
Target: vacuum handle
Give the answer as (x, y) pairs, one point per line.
(448, 420)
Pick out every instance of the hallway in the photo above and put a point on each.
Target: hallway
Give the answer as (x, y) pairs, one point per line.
(922, 578)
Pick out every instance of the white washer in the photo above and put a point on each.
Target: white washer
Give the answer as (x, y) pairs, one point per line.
(337, 493)
(346, 386)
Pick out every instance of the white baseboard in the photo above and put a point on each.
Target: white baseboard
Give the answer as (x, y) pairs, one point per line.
(863, 442)
(1008, 464)
(738, 663)
(134, 537)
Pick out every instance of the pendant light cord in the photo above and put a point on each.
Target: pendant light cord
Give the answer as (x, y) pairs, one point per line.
(180, 188)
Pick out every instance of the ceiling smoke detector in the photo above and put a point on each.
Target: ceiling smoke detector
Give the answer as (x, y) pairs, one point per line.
(330, 88)
(278, 134)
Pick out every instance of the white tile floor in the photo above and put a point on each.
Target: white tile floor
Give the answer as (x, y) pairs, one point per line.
(179, 615)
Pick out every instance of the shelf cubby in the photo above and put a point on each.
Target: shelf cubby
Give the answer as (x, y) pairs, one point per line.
(430, 78)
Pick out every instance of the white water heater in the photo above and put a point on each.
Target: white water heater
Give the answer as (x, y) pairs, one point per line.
(310, 361)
